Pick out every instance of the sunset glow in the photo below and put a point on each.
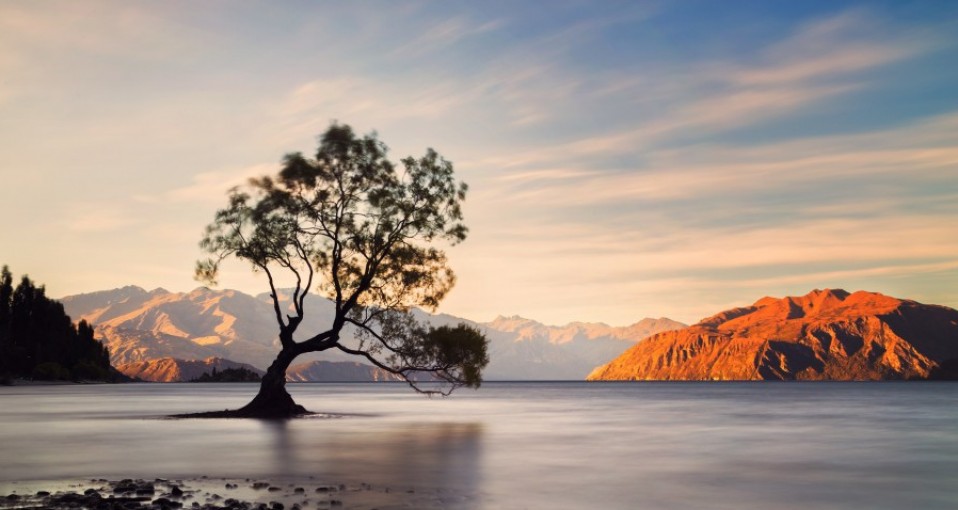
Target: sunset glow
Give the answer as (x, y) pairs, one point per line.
(625, 159)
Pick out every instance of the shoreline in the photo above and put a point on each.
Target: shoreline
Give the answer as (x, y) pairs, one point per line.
(204, 493)
(36, 382)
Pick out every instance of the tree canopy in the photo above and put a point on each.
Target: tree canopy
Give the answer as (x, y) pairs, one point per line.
(38, 339)
(353, 227)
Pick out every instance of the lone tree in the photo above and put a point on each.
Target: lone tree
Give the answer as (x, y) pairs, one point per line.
(356, 229)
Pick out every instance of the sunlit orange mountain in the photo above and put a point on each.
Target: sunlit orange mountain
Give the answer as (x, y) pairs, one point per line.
(179, 370)
(824, 335)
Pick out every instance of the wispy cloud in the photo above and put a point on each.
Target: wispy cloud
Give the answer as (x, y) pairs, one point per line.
(820, 62)
(663, 267)
(663, 249)
(814, 279)
(308, 109)
(920, 150)
(694, 212)
(209, 187)
(443, 34)
(100, 218)
(828, 49)
(623, 159)
(100, 29)
(552, 174)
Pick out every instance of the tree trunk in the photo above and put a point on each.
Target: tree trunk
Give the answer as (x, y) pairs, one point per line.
(273, 401)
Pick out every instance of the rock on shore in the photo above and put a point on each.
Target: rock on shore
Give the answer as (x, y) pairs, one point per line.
(217, 494)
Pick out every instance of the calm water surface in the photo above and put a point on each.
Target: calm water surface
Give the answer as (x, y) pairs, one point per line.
(520, 445)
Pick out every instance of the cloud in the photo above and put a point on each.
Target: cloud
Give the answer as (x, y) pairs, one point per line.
(100, 218)
(820, 62)
(307, 109)
(694, 226)
(815, 278)
(828, 49)
(603, 173)
(661, 249)
(210, 187)
(108, 28)
(833, 64)
(552, 174)
(720, 111)
(924, 150)
(443, 34)
(655, 268)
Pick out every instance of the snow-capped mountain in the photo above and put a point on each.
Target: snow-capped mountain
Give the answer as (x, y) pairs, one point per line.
(140, 325)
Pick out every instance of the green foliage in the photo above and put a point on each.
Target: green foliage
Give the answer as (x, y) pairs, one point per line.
(350, 215)
(460, 350)
(87, 370)
(38, 339)
(50, 371)
(362, 231)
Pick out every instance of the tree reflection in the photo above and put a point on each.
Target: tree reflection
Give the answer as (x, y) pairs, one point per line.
(399, 456)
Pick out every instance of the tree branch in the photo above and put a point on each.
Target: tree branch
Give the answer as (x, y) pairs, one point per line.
(275, 297)
(321, 342)
(402, 372)
(365, 327)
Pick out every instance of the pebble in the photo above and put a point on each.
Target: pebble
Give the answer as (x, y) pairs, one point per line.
(137, 494)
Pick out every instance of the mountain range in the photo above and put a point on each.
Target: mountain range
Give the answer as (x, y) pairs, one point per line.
(824, 335)
(139, 325)
(179, 370)
(185, 370)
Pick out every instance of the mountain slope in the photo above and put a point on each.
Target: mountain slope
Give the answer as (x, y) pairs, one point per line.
(824, 335)
(524, 349)
(139, 325)
(341, 371)
(179, 370)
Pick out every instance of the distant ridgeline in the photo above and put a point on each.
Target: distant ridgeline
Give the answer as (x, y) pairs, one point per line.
(39, 341)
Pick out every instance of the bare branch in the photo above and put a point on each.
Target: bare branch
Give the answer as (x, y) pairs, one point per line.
(274, 296)
(403, 372)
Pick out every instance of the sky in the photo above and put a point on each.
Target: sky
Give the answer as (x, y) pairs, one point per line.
(625, 159)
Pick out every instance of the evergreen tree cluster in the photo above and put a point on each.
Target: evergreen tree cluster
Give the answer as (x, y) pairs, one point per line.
(229, 375)
(38, 340)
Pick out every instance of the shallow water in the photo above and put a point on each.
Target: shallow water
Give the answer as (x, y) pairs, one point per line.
(519, 445)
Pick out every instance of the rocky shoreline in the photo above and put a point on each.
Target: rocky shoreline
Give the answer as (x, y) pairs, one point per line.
(215, 494)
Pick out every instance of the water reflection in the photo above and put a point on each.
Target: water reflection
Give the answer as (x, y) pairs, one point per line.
(551, 445)
(400, 454)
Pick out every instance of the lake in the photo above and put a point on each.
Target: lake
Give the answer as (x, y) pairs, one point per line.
(889, 445)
